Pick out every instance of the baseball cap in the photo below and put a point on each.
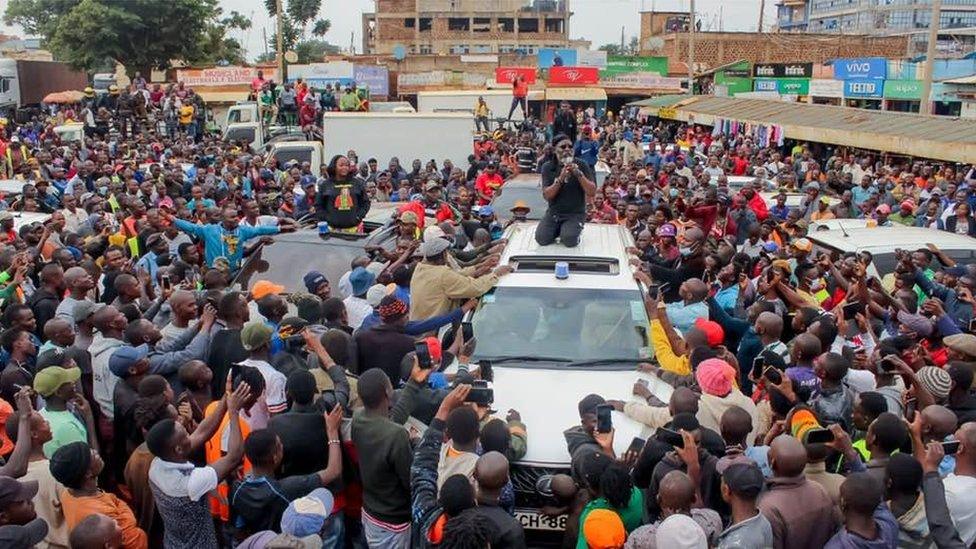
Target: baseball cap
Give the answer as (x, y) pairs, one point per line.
(48, 380)
(306, 515)
(6, 216)
(744, 479)
(430, 248)
(52, 357)
(12, 490)
(125, 357)
(771, 247)
(961, 343)
(264, 288)
(485, 211)
(15, 536)
(314, 279)
(667, 230)
(714, 334)
(84, 310)
(431, 184)
(803, 244)
(603, 529)
(883, 209)
(255, 334)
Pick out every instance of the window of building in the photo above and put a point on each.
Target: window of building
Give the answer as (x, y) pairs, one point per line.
(554, 25)
(481, 48)
(426, 49)
(506, 24)
(458, 24)
(460, 49)
(481, 24)
(426, 23)
(528, 25)
(410, 23)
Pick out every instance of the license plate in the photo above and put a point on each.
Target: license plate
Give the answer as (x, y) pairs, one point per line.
(533, 520)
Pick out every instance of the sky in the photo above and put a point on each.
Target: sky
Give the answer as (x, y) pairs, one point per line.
(596, 20)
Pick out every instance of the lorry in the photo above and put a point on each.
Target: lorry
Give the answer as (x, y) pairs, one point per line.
(25, 83)
(407, 136)
(463, 101)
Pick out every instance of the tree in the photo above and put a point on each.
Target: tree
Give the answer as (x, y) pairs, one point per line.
(140, 34)
(299, 26)
(611, 49)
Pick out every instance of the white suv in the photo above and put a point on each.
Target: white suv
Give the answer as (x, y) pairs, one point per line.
(553, 341)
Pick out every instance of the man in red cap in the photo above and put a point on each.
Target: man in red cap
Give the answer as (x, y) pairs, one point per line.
(905, 214)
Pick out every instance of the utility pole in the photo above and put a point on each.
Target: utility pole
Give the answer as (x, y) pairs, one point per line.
(925, 107)
(762, 10)
(264, 36)
(691, 49)
(280, 54)
(622, 52)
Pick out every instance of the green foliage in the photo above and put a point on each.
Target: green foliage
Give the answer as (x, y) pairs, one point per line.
(141, 34)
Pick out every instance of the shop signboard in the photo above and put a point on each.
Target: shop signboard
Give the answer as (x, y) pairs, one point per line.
(910, 90)
(556, 57)
(507, 75)
(862, 67)
(823, 87)
(574, 76)
(863, 88)
(782, 70)
(622, 64)
(373, 77)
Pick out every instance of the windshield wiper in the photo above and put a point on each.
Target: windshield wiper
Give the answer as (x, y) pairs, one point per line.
(605, 362)
(524, 358)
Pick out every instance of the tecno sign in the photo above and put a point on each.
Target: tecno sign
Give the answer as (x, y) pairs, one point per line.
(863, 88)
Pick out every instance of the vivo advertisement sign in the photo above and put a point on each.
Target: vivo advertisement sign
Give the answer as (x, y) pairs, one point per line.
(864, 67)
(863, 87)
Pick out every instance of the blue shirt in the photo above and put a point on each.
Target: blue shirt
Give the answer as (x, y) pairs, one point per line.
(586, 150)
(780, 212)
(683, 316)
(148, 263)
(219, 242)
(207, 203)
(860, 194)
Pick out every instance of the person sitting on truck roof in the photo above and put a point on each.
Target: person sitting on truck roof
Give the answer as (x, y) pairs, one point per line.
(342, 201)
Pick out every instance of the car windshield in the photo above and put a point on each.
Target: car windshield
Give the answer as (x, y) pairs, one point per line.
(532, 196)
(301, 154)
(570, 325)
(286, 262)
(240, 134)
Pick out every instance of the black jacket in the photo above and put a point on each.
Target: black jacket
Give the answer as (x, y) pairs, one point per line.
(44, 304)
(383, 347)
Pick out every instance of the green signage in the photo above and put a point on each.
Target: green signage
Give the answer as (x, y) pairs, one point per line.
(736, 79)
(903, 89)
(793, 86)
(623, 64)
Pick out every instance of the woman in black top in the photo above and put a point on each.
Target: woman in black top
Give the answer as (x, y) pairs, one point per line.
(341, 200)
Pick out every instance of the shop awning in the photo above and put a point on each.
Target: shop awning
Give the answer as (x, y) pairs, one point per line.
(222, 96)
(922, 136)
(660, 101)
(576, 94)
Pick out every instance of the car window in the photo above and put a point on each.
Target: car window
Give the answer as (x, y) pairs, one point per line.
(571, 324)
(301, 154)
(532, 196)
(241, 134)
(287, 262)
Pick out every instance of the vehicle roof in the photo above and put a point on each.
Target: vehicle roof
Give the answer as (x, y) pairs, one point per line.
(887, 239)
(524, 180)
(596, 241)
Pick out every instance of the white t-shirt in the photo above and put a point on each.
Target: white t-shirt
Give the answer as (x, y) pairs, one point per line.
(959, 492)
(274, 395)
(357, 309)
(182, 479)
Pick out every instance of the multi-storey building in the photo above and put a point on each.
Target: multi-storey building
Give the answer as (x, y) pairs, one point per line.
(467, 26)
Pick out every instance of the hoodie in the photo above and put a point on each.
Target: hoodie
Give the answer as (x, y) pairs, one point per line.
(104, 380)
(887, 533)
(579, 443)
(913, 527)
(711, 408)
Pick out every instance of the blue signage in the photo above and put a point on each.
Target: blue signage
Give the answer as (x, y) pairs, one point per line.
(764, 85)
(863, 67)
(864, 87)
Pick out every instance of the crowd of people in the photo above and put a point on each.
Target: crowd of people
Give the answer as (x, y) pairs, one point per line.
(150, 401)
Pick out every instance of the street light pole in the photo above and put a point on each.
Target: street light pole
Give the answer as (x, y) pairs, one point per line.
(925, 107)
(691, 49)
(279, 54)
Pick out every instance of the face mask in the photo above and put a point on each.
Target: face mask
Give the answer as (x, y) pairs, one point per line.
(686, 251)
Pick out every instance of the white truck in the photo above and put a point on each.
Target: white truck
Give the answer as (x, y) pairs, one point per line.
(464, 101)
(25, 83)
(407, 136)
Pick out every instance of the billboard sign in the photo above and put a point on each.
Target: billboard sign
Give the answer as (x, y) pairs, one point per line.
(222, 76)
(823, 87)
(863, 67)
(556, 57)
(321, 74)
(587, 58)
(506, 75)
(574, 76)
(623, 64)
(373, 77)
(864, 88)
(641, 80)
(782, 70)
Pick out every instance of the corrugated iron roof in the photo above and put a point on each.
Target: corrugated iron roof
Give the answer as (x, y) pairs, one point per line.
(936, 137)
(963, 80)
(660, 101)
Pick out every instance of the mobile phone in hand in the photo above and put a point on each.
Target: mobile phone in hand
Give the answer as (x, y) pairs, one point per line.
(604, 422)
(758, 365)
(166, 282)
(654, 291)
(481, 394)
(423, 355)
(950, 447)
(911, 406)
(819, 436)
(636, 445)
(670, 437)
(773, 375)
(852, 309)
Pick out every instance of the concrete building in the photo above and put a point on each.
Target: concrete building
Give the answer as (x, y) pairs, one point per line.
(883, 18)
(467, 26)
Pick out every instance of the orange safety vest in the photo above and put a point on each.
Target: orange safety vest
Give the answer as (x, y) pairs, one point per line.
(220, 503)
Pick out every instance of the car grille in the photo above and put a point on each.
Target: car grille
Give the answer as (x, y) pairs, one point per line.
(524, 478)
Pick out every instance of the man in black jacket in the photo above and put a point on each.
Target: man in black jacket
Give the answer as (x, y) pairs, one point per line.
(567, 185)
(565, 122)
(45, 300)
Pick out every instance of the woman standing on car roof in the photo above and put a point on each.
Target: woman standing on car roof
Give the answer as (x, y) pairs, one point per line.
(342, 201)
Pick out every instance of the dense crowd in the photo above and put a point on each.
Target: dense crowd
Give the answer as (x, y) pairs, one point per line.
(149, 400)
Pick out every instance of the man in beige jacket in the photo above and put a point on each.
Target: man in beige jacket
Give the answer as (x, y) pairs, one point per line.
(435, 285)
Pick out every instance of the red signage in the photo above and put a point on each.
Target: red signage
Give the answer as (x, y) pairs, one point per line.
(506, 75)
(575, 76)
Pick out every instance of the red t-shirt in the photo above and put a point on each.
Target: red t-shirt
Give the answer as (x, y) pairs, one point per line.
(486, 185)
